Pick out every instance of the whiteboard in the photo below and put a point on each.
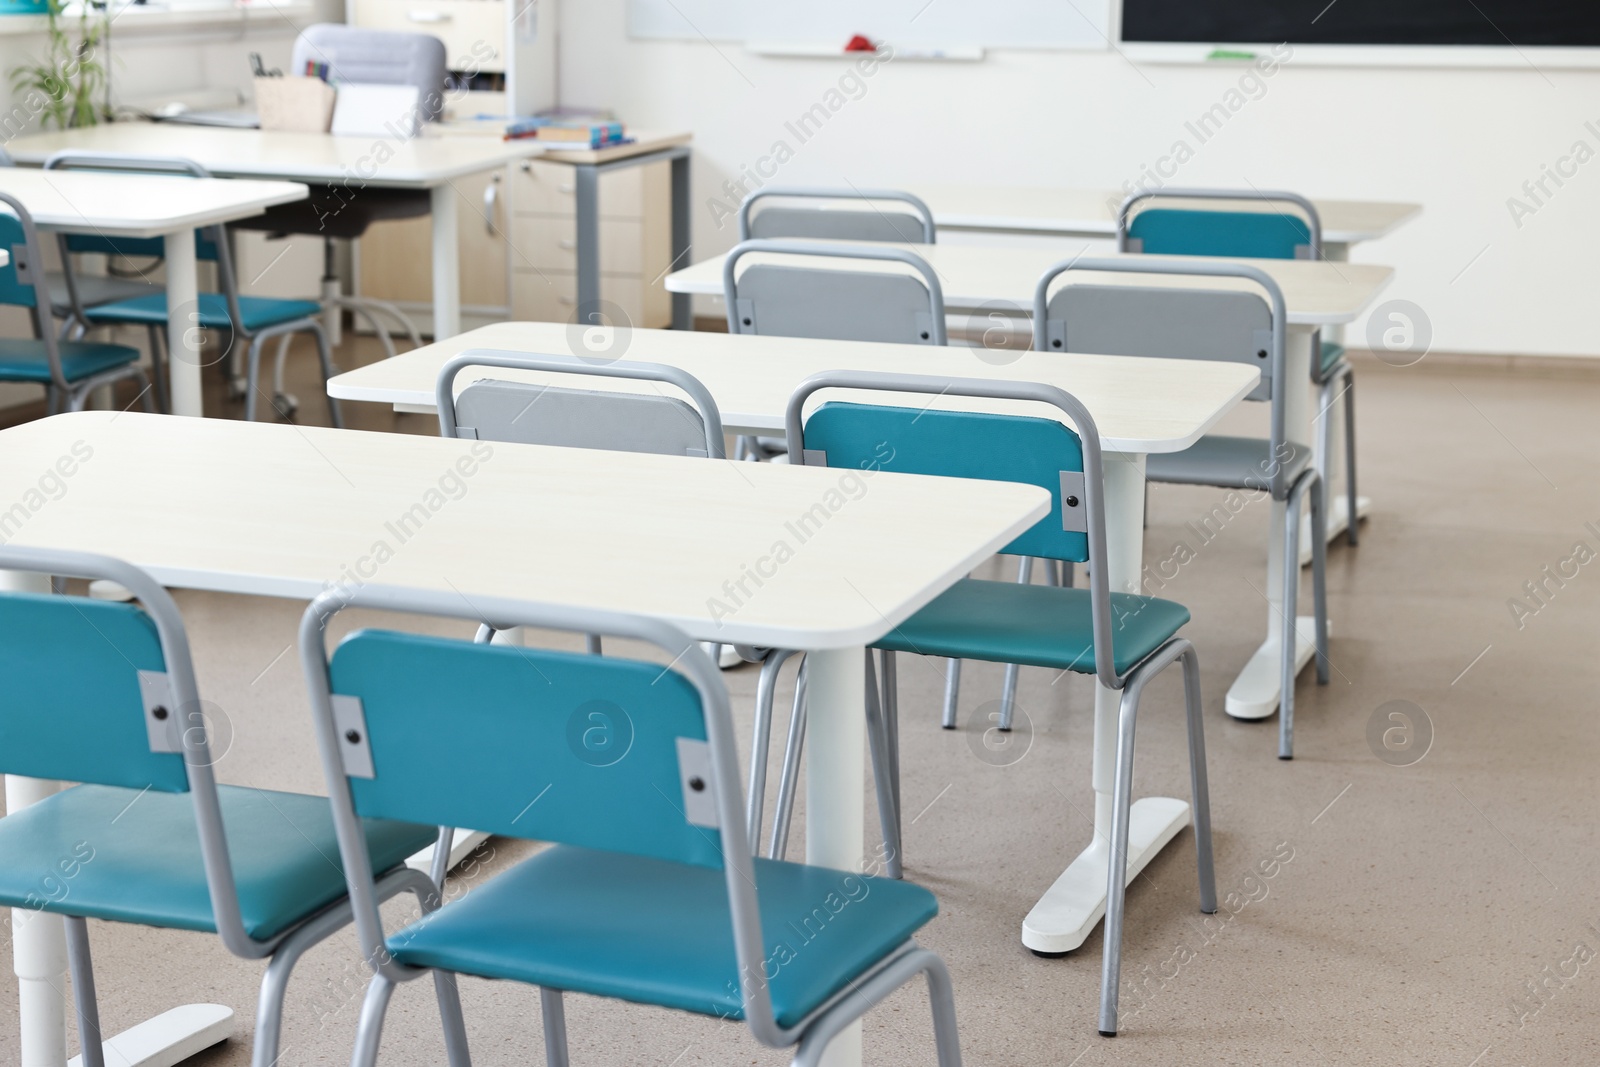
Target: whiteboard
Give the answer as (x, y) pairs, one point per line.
(915, 24)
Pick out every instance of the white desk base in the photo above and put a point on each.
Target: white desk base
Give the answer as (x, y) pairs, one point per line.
(169, 1038)
(1071, 907)
(1254, 694)
(836, 783)
(461, 846)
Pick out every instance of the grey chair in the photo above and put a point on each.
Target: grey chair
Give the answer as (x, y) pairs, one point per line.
(344, 211)
(254, 319)
(1211, 324)
(868, 222)
(1292, 233)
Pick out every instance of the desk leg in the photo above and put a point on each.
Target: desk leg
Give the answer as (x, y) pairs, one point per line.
(836, 782)
(1063, 918)
(682, 303)
(446, 264)
(586, 179)
(184, 332)
(1254, 694)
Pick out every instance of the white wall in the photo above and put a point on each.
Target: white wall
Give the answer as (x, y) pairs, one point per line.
(1459, 141)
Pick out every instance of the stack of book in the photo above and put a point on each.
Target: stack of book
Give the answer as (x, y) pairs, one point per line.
(567, 133)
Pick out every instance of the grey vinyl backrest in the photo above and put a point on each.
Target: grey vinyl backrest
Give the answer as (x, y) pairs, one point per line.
(779, 300)
(377, 57)
(534, 414)
(1308, 210)
(854, 224)
(1076, 415)
(1170, 322)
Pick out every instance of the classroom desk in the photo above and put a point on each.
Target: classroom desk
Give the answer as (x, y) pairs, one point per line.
(277, 510)
(1059, 212)
(1002, 281)
(1139, 405)
(147, 205)
(426, 162)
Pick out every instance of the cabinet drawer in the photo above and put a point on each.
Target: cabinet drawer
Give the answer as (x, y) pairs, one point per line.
(473, 31)
(550, 242)
(545, 188)
(552, 296)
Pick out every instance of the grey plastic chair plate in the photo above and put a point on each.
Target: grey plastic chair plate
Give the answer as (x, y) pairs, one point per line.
(1171, 323)
(1229, 462)
(837, 224)
(833, 305)
(525, 413)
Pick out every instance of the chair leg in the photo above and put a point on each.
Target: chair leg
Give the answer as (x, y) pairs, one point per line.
(369, 1031)
(1117, 868)
(325, 355)
(82, 968)
(942, 999)
(554, 1014)
(252, 379)
(455, 1025)
(1319, 576)
(1291, 595)
(158, 369)
(788, 781)
(761, 745)
(1199, 784)
(878, 746)
(1350, 456)
(952, 693)
(147, 394)
(891, 722)
(1008, 691)
(591, 644)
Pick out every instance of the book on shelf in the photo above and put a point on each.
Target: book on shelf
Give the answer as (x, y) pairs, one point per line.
(566, 133)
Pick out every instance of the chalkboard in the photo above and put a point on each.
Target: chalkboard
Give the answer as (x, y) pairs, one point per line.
(1522, 23)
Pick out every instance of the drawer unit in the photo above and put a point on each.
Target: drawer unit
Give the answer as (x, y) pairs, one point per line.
(541, 187)
(552, 296)
(473, 31)
(550, 242)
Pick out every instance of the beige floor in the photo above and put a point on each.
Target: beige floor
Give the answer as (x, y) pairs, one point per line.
(1406, 912)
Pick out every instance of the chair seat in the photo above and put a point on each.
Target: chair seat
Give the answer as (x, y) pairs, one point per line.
(332, 211)
(656, 932)
(258, 312)
(25, 359)
(138, 856)
(95, 289)
(1227, 462)
(1034, 625)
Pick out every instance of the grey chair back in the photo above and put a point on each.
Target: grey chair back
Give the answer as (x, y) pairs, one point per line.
(854, 224)
(779, 300)
(377, 57)
(534, 414)
(1171, 323)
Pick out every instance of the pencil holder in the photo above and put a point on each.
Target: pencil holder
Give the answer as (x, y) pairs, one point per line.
(301, 105)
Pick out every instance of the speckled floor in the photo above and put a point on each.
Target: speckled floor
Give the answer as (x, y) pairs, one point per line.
(1433, 910)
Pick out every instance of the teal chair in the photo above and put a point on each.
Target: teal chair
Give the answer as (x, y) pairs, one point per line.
(1251, 235)
(252, 319)
(104, 694)
(68, 370)
(648, 893)
(1123, 640)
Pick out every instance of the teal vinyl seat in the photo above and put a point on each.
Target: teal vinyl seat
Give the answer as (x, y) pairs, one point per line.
(1293, 230)
(151, 870)
(574, 919)
(629, 770)
(104, 694)
(1039, 625)
(68, 370)
(255, 312)
(251, 319)
(1122, 641)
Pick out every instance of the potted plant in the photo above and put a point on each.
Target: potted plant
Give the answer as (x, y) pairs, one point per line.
(69, 85)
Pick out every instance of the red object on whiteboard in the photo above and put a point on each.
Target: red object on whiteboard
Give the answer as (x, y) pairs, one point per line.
(858, 43)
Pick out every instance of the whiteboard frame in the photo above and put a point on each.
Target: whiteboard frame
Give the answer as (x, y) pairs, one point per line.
(1508, 57)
